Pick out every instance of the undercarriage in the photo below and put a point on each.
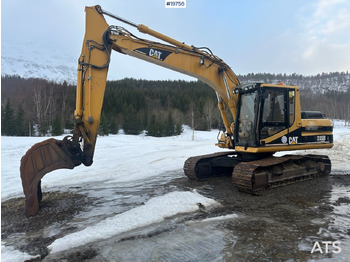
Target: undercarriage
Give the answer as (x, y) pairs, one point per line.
(252, 176)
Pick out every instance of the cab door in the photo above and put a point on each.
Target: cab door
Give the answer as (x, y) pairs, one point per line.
(274, 113)
(245, 126)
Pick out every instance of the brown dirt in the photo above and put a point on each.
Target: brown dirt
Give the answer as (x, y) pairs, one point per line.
(56, 207)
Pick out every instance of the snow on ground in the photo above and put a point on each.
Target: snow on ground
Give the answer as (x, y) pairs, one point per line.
(118, 158)
(153, 211)
(213, 219)
(123, 159)
(11, 255)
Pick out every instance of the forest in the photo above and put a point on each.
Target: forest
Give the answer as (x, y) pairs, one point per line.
(37, 107)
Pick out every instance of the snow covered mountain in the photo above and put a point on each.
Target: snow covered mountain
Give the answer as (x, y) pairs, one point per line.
(33, 60)
(320, 83)
(44, 62)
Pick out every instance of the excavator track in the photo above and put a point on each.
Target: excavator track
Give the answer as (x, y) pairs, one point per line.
(254, 176)
(272, 172)
(211, 165)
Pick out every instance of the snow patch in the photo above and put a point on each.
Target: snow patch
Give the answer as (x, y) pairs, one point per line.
(213, 219)
(220, 218)
(154, 210)
(14, 255)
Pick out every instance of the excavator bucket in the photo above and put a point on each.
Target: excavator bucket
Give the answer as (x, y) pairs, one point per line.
(41, 159)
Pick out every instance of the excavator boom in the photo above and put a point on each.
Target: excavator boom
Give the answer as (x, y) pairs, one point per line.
(254, 125)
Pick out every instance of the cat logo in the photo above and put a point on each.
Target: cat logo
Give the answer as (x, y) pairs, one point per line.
(293, 140)
(155, 53)
(158, 54)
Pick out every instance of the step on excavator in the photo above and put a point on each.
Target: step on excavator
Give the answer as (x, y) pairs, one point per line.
(259, 119)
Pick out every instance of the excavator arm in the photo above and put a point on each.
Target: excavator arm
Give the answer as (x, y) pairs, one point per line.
(99, 40)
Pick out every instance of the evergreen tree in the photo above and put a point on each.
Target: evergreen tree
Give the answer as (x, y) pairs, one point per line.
(104, 126)
(43, 128)
(113, 127)
(3, 125)
(57, 126)
(152, 127)
(21, 129)
(169, 126)
(178, 129)
(8, 121)
(132, 124)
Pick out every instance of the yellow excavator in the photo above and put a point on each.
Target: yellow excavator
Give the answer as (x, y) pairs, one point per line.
(259, 119)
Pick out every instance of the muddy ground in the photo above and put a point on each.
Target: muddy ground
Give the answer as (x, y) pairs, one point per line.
(278, 225)
(55, 208)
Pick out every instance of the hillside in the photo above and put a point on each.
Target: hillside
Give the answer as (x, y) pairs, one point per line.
(320, 83)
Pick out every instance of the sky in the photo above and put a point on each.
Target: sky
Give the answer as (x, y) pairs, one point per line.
(251, 36)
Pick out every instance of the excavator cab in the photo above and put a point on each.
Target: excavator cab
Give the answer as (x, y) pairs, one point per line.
(264, 112)
(269, 119)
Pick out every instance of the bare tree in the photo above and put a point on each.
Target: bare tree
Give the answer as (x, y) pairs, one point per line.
(43, 107)
(210, 113)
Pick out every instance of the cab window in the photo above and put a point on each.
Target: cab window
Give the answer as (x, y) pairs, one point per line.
(273, 114)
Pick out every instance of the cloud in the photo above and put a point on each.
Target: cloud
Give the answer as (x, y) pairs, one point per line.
(329, 18)
(325, 42)
(323, 7)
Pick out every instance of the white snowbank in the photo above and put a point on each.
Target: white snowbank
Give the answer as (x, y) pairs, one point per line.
(14, 255)
(154, 210)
